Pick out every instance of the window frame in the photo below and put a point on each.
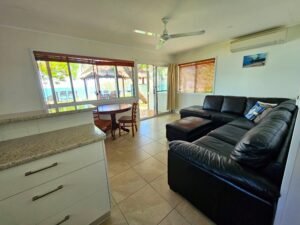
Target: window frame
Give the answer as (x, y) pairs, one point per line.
(76, 103)
(195, 76)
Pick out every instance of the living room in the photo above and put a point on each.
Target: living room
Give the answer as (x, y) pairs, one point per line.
(131, 34)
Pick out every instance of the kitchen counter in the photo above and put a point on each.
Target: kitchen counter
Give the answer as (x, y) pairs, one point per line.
(52, 112)
(26, 149)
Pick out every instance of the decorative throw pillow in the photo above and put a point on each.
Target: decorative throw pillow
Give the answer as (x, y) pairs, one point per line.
(262, 115)
(267, 105)
(255, 111)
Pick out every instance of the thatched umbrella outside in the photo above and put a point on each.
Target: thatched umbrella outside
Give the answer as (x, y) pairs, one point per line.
(97, 76)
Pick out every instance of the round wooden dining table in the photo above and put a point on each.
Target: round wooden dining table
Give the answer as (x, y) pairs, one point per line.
(112, 110)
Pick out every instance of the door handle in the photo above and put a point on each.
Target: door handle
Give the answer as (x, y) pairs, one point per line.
(38, 170)
(34, 198)
(67, 217)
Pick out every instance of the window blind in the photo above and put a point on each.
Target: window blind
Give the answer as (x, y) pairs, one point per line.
(59, 57)
(197, 77)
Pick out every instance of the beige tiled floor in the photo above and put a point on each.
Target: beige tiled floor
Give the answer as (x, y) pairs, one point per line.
(137, 170)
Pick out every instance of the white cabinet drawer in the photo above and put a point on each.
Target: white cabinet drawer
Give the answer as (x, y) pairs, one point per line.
(22, 210)
(14, 181)
(84, 212)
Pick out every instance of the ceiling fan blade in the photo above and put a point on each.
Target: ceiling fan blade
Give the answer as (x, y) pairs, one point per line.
(146, 33)
(160, 43)
(187, 34)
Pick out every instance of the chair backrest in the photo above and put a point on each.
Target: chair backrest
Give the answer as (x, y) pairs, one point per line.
(96, 114)
(134, 110)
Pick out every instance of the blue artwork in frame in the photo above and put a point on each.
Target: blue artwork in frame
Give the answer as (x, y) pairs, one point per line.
(254, 60)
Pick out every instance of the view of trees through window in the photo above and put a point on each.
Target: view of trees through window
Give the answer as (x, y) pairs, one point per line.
(69, 82)
(197, 77)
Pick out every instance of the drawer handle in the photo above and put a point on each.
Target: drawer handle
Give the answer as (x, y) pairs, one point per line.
(34, 198)
(38, 170)
(67, 217)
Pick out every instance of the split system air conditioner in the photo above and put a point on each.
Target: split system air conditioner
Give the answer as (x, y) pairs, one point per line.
(259, 39)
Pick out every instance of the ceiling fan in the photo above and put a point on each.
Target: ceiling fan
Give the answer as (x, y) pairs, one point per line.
(165, 36)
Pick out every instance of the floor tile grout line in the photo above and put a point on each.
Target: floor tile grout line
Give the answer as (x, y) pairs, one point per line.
(165, 216)
(143, 177)
(132, 167)
(161, 194)
(122, 214)
(117, 203)
(147, 183)
(165, 198)
(132, 194)
(182, 215)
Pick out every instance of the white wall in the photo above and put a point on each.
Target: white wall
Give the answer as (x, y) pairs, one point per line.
(278, 78)
(19, 89)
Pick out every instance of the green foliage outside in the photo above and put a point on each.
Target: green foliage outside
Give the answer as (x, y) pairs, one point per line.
(59, 70)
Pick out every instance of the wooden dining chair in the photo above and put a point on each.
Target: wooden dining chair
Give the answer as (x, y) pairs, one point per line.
(104, 125)
(129, 121)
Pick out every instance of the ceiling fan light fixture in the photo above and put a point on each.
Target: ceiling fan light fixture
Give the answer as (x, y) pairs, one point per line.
(145, 33)
(139, 31)
(150, 34)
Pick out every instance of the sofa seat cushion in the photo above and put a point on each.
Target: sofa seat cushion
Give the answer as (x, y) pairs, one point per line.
(225, 168)
(260, 144)
(228, 133)
(195, 110)
(216, 145)
(242, 123)
(213, 102)
(223, 118)
(233, 104)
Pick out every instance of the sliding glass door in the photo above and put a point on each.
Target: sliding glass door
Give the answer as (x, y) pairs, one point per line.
(161, 89)
(152, 84)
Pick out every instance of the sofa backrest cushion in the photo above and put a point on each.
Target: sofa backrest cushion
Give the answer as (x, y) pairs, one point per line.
(252, 100)
(279, 114)
(275, 169)
(233, 104)
(287, 105)
(261, 143)
(213, 102)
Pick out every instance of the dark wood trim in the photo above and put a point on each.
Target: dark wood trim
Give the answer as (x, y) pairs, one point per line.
(60, 57)
(194, 63)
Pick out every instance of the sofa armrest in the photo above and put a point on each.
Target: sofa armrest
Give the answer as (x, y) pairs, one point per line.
(226, 169)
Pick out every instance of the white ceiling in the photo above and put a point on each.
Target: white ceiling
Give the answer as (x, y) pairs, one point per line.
(114, 20)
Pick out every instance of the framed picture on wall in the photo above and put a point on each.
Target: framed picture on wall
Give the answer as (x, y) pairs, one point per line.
(254, 60)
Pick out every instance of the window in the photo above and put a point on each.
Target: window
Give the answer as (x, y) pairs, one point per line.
(162, 78)
(197, 77)
(68, 79)
(125, 81)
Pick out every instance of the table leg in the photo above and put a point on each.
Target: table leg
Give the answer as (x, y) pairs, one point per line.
(114, 125)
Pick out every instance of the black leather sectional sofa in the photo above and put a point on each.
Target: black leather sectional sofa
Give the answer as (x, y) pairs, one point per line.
(233, 174)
